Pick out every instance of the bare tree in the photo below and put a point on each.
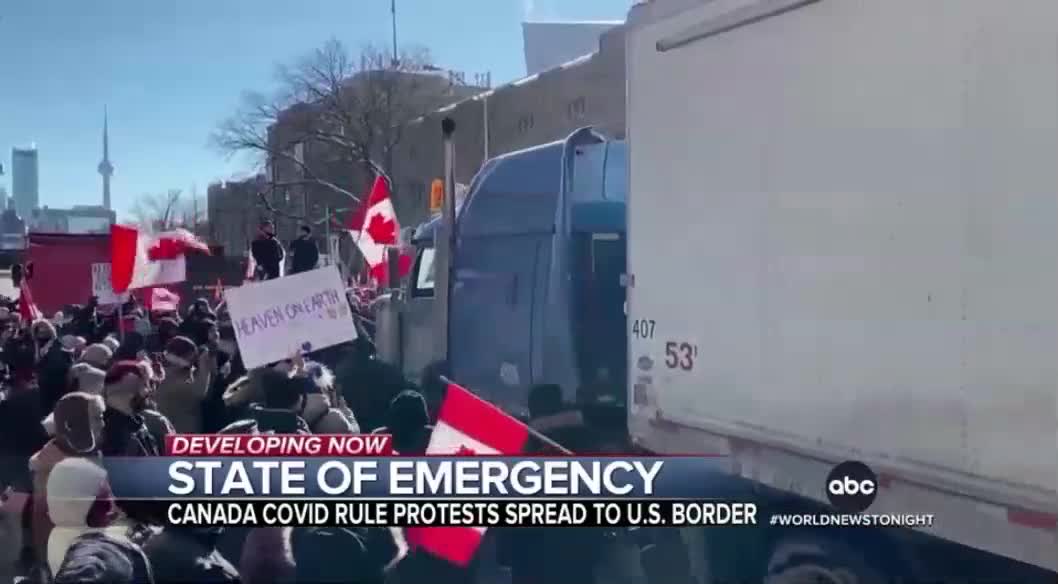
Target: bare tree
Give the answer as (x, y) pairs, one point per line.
(166, 211)
(333, 106)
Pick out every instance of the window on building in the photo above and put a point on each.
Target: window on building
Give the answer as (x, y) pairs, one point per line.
(577, 108)
(525, 123)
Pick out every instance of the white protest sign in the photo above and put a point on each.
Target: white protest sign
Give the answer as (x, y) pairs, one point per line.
(277, 318)
(102, 288)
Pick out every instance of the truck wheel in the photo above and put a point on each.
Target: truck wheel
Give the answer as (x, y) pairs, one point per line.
(812, 560)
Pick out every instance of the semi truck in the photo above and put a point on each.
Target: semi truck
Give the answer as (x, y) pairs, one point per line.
(842, 227)
(528, 289)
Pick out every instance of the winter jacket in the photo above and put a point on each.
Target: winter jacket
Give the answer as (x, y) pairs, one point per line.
(571, 553)
(278, 421)
(21, 436)
(104, 558)
(305, 255)
(188, 556)
(79, 501)
(269, 255)
(125, 435)
(52, 372)
(158, 425)
(41, 465)
(368, 386)
(180, 396)
(324, 419)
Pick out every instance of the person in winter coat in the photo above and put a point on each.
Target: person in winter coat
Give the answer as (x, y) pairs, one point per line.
(319, 554)
(102, 558)
(572, 553)
(166, 330)
(179, 396)
(78, 430)
(324, 409)
(180, 555)
(368, 384)
(267, 252)
(53, 365)
(304, 251)
(21, 436)
(408, 422)
(125, 432)
(79, 502)
(284, 400)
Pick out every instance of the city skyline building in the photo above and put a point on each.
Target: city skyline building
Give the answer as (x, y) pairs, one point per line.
(25, 179)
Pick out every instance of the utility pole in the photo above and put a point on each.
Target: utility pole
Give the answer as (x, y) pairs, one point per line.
(393, 12)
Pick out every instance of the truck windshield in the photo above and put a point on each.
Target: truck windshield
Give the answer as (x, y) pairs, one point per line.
(424, 273)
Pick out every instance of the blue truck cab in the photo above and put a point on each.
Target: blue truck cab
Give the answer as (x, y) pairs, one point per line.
(536, 290)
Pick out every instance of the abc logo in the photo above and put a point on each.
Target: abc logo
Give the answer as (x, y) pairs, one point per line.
(852, 487)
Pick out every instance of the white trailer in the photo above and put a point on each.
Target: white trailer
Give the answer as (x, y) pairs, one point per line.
(842, 236)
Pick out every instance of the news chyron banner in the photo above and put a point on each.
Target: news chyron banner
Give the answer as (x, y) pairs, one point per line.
(355, 481)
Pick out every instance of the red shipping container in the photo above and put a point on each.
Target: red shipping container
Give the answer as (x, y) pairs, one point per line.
(62, 267)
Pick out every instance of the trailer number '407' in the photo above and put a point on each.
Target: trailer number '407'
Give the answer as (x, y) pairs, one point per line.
(643, 328)
(680, 355)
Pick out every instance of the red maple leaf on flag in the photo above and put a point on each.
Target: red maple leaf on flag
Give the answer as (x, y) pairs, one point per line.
(382, 231)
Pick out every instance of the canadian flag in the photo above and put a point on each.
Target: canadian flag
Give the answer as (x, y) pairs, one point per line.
(27, 308)
(162, 300)
(141, 260)
(466, 426)
(377, 230)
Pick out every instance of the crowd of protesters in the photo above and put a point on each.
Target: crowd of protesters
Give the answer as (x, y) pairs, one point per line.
(83, 385)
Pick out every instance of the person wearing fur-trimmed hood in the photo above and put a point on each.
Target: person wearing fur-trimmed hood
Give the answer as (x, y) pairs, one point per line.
(325, 410)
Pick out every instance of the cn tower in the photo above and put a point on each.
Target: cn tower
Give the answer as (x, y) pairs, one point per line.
(106, 169)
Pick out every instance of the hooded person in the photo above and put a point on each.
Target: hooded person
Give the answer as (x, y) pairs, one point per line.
(323, 410)
(189, 555)
(97, 355)
(53, 363)
(79, 501)
(180, 395)
(112, 343)
(103, 558)
(87, 378)
(408, 422)
(77, 424)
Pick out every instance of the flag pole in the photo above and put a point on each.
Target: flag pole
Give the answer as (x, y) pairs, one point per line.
(532, 431)
(121, 321)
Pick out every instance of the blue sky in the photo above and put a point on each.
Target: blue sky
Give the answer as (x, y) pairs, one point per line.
(170, 71)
